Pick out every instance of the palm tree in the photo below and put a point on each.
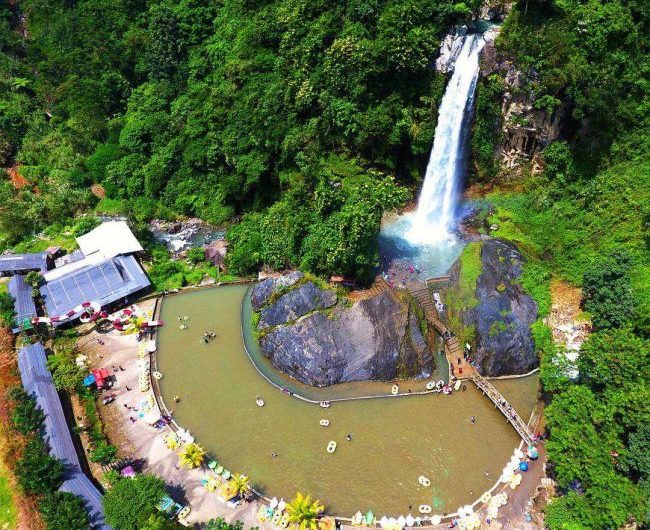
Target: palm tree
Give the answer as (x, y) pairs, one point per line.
(304, 512)
(192, 455)
(240, 484)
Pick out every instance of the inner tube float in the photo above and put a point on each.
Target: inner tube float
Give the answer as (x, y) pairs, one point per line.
(440, 384)
(446, 390)
(431, 385)
(424, 508)
(331, 447)
(485, 498)
(325, 404)
(260, 402)
(424, 480)
(324, 423)
(394, 390)
(156, 375)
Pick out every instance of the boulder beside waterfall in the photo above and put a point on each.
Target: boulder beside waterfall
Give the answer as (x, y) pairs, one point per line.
(504, 313)
(309, 336)
(450, 48)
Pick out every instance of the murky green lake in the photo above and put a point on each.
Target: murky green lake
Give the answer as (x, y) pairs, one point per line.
(394, 440)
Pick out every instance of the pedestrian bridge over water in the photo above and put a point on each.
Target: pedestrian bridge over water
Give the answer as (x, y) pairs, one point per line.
(460, 368)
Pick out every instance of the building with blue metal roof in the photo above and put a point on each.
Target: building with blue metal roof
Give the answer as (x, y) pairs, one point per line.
(104, 282)
(24, 306)
(37, 380)
(23, 263)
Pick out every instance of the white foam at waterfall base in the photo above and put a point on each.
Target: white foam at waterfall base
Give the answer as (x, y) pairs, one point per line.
(433, 220)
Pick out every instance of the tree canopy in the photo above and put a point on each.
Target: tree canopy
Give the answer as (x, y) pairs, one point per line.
(129, 503)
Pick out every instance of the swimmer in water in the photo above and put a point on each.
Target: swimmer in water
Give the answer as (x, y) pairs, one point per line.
(472, 419)
(273, 455)
(349, 437)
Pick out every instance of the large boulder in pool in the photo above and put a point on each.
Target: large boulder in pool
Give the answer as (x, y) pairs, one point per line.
(504, 313)
(296, 303)
(374, 339)
(263, 291)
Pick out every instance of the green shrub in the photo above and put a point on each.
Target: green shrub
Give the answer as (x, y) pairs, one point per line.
(26, 417)
(85, 224)
(130, 502)
(37, 472)
(63, 510)
(7, 313)
(196, 255)
(607, 293)
(103, 453)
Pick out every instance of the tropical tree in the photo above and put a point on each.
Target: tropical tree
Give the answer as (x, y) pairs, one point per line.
(304, 512)
(129, 503)
(37, 471)
(240, 484)
(64, 510)
(192, 455)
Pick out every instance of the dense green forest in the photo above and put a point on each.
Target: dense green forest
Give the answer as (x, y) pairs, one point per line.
(296, 123)
(221, 110)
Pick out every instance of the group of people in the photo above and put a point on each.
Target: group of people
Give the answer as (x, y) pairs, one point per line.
(401, 273)
(208, 336)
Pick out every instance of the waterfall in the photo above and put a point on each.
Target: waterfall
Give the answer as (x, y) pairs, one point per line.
(435, 212)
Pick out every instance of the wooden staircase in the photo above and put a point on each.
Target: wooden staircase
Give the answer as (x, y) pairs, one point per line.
(422, 295)
(379, 286)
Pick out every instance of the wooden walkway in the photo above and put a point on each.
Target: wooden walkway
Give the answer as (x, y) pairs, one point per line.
(508, 411)
(463, 370)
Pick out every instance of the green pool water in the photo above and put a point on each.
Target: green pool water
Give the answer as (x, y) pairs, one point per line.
(394, 440)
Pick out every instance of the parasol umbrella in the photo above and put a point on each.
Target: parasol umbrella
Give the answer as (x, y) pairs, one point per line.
(409, 520)
(212, 464)
(436, 519)
(401, 521)
(370, 517)
(282, 505)
(383, 522)
(486, 497)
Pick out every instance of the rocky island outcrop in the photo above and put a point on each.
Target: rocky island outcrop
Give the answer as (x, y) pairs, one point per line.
(504, 313)
(311, 335)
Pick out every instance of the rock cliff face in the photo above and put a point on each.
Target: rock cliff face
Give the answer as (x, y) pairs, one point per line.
(375, 339)
(450, 48)
(527, 125)
(504, 313)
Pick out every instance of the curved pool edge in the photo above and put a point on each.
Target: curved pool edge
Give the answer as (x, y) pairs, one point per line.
(245, 333)
(174, 426)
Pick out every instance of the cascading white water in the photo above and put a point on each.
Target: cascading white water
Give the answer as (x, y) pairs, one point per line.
(431, 222)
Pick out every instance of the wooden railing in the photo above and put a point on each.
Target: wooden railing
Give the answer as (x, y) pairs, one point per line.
(454, 351)
(502, 404)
